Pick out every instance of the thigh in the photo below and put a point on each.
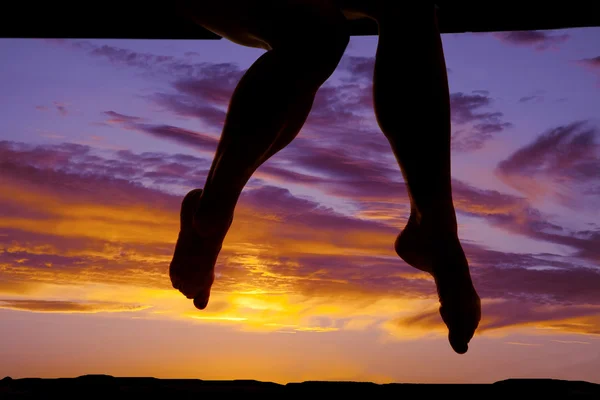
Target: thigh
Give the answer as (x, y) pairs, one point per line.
(398, 10)
(265, 23)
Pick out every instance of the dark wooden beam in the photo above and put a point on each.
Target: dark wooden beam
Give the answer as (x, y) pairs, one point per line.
(132, 19)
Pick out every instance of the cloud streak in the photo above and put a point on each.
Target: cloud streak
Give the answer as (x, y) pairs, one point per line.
(563, 162)
(513, 314)
(475, 127)
(58, 306)
(539, 40)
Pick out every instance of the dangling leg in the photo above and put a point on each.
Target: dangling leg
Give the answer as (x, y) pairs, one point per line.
(267, 110)
(420, 140)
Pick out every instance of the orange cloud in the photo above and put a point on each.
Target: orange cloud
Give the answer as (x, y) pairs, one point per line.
(506, 316)
(53, 306)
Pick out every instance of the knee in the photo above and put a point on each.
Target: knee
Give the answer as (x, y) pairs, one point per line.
(316, 56)
(325, 48)
(330, 44)
(317, 40)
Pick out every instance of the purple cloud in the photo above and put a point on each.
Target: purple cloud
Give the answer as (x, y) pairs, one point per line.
(123, 56)
(593, 62)
(61, 108)
(175, 134)
(358, 67)
(536, 97)
(115, 117)
(478, 126)
(539, 40)
(564, 161)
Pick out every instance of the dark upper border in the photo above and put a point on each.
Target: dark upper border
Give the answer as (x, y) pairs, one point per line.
(132, 19)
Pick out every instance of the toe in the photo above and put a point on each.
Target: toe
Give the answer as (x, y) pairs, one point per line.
(201, 300)
(188, 289)
(175, 283)
(459, 341)
(198, 288)
(461, 327)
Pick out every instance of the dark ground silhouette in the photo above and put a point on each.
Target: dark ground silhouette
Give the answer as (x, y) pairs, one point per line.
(104, 385)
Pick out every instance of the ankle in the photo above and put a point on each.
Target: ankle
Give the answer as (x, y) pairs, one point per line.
(442, 219)
(219, 200)
(213, 215)
(210, 225)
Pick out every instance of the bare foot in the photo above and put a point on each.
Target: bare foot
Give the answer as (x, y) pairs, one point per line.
(192, 269)
(441, 255)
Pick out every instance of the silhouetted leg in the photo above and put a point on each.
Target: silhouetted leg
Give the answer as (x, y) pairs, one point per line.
(412, 106)
(267, 109)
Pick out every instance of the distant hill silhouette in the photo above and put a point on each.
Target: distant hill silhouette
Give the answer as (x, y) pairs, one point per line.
(105, 385)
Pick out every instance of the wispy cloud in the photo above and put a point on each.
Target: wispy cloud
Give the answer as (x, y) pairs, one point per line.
(563, 162)
(592, 64)
(514, 314)
(474, 126)
(535, 97)
(60, 107)
(57, 306)
(186, 137)
(539, 40)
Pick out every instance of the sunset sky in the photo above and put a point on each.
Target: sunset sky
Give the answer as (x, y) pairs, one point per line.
(100, 139)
